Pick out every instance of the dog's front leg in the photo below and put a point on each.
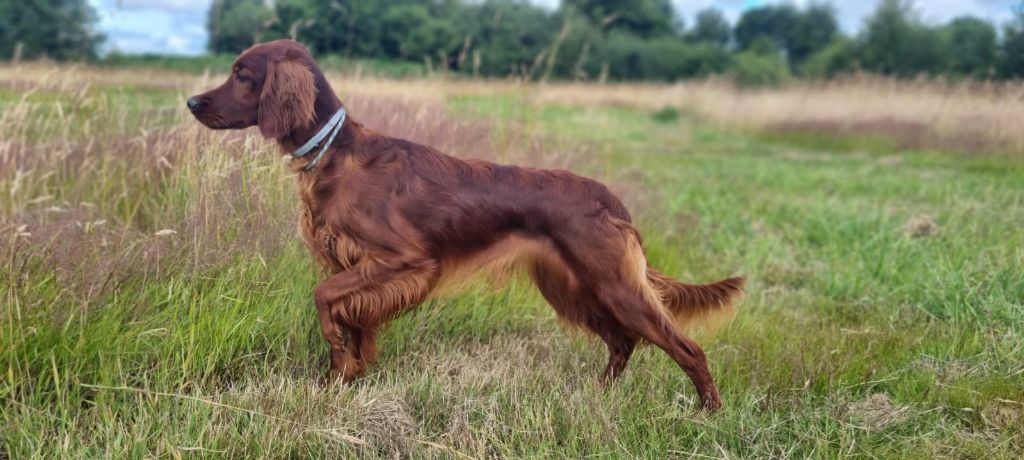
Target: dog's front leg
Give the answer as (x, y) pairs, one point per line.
(338, 336)
(354, 303)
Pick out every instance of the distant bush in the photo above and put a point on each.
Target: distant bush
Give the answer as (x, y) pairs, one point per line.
(193, 64)
(708, 59)
(837, 58)
(372, 67)
(222, 63)
(629, 57)
(972, 47)
(665, 115)
(761, 65)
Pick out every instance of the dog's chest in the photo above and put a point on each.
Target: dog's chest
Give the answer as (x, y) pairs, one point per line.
(332, 248)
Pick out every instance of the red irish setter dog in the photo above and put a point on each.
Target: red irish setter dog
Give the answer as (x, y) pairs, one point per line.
(393, 221)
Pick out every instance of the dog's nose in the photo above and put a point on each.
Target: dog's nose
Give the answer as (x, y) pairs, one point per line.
(193, 103)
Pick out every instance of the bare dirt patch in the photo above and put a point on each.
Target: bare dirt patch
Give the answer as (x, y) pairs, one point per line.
(876, 412)
(921, 226)
(1004, 414)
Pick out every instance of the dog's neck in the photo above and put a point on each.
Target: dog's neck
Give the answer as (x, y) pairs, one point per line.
(326, 105)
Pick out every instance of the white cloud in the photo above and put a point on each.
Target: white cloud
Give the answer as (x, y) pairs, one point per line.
(938, 11)
(177, 44)
(188, 5)
(150, 26)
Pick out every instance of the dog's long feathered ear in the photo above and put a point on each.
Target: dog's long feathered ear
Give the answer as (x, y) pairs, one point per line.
(286, 102)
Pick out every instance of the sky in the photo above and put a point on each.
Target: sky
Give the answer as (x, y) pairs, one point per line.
(179, 26)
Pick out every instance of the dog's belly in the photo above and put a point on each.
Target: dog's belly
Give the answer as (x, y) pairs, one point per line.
(498, 261)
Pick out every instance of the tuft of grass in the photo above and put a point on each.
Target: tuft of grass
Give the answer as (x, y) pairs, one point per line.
(157, 303)
(665, 115)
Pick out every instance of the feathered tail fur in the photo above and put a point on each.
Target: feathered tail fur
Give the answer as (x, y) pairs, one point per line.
(697, 305)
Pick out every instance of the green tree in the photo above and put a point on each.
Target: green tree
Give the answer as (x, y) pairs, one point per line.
(813, 29)
(235, 25)
(972, 46)
(629, 57)
(410, 32)
(60, 29)
(643, 18)
(840, 56)
(290, 19)
(388, 29)
(1011, 48)
(512, 38)
(896, 42)
(350, 28)
(798, 34)
(761, 64)
(772, 22)
(711, 27)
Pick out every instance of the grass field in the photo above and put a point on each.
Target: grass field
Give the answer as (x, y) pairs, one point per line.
(157, 303)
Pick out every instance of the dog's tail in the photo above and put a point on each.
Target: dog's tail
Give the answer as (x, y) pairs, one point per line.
(697, 305)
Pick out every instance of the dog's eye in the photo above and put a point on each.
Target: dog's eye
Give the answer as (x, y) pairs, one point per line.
(240, 78)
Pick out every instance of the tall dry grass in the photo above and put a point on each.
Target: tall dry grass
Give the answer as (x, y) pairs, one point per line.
(967, 116)
(95, 161)
(111, 191)
(107, 179)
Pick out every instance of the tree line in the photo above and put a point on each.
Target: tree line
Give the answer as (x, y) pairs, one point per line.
(59, 29)
(628, 39)
(578, 40)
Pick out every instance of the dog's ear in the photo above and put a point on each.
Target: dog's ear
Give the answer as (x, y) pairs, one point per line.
(286, 102)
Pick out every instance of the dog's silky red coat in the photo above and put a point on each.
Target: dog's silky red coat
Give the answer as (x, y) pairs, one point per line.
(393, 221)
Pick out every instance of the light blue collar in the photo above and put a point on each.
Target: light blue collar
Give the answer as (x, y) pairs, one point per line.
(332, 127)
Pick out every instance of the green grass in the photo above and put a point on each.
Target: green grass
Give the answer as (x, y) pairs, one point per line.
(856, 339)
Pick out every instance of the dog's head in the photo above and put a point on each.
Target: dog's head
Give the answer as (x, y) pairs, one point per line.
(272, 85)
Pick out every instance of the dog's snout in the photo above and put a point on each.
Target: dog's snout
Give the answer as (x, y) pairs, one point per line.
(193, 103)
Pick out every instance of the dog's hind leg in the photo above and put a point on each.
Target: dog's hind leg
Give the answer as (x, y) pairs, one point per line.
(613, 265)
(579, 305)
(645, 319)
(620, 349)
(354, 303)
